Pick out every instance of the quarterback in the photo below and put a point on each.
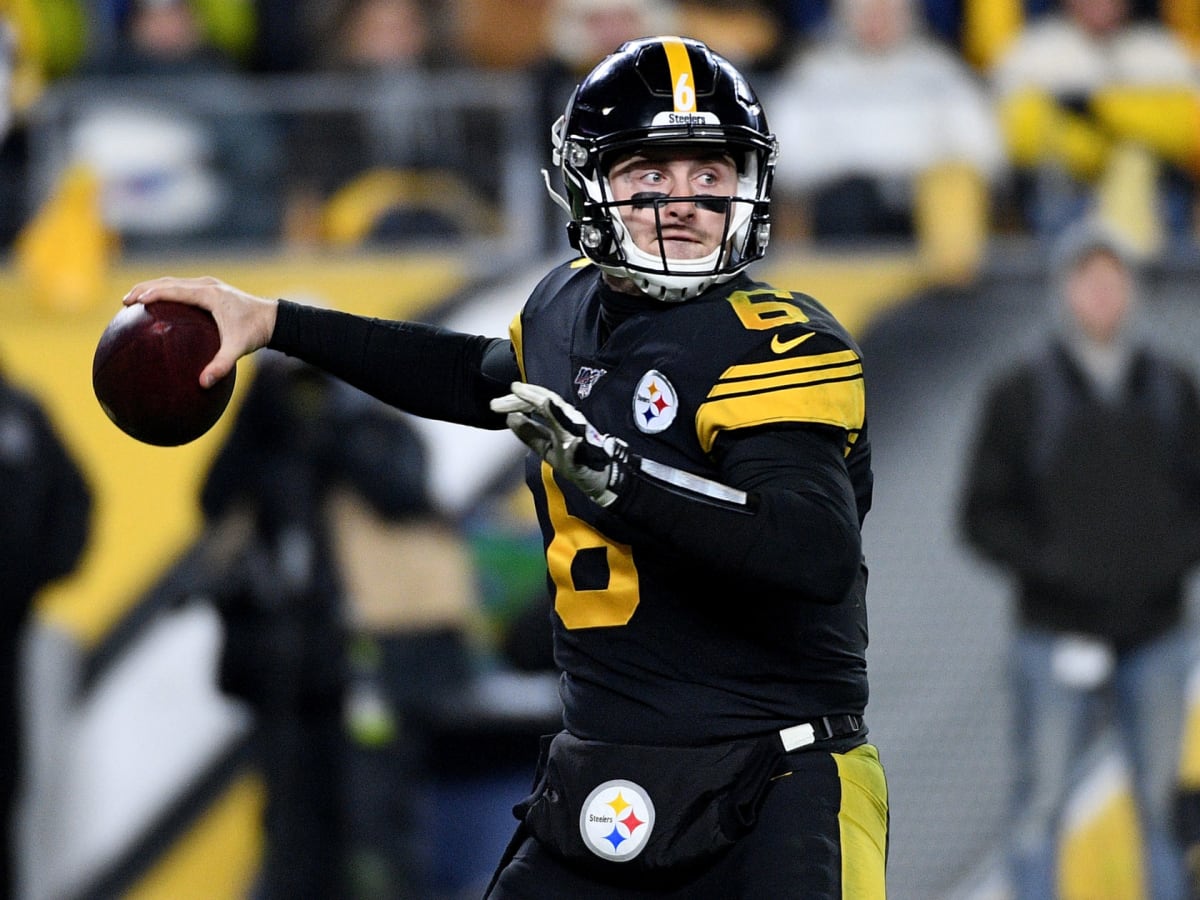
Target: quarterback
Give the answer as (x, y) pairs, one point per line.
(701, 470)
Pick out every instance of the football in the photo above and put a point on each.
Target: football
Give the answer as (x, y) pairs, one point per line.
(146, 372)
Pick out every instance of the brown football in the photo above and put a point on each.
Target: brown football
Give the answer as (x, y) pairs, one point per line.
(146, 372)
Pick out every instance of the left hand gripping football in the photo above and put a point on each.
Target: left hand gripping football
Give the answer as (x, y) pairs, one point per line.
(563, 437)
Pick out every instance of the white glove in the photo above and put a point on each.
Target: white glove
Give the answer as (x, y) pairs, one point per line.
(559, 434)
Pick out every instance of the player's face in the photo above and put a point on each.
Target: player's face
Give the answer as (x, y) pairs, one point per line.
(689, 230)
(1098, 17)
(1099, 293)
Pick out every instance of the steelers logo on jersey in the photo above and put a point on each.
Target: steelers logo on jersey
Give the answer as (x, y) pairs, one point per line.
(616, 820)
(654, 403)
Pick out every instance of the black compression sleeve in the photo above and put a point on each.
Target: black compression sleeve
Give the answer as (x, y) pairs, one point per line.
(422, 369)
(798, 530)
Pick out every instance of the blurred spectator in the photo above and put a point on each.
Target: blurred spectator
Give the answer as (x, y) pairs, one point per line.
(159, 37)
(578, 34)
(284, 635)
(381, 35)
(1183, 17)
(983, 29)
(748, 33)
(28, 61)
(349, 600)
(44, 525)
(980, 30)
(411, 607)
(975, 29)
(888, 135)
(362, 175)
(411, 604)
(506, 544)
(1084, 486)
(179, 165)
(501, 34)
(12, 149)
(8, 66)
(227, 25)
(1099, 112)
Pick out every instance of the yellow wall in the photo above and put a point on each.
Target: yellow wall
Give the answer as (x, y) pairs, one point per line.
(146, 511)
(218, 858)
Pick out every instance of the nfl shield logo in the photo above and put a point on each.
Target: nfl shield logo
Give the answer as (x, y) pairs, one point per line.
(585, 380)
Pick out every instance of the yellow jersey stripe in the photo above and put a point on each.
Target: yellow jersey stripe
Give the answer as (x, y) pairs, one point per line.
(514, 332)
(790, 363)
(841, 404)
(754, 385)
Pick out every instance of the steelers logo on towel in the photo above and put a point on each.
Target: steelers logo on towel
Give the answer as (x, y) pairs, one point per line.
(616, 820)
(654, 403)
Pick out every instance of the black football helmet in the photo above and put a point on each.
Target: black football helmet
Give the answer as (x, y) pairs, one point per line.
(656, 92)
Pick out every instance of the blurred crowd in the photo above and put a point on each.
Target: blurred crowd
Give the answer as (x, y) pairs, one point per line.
(930, 123)
(160, 125)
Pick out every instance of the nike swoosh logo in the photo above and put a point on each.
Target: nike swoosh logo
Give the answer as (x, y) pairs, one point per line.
(784, 346)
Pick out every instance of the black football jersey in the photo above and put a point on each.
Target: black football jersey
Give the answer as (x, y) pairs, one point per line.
(655, 645)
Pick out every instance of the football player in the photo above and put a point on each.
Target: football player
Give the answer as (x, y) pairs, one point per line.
(701, 470)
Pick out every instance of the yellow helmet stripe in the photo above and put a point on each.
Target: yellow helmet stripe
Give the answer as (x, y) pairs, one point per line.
(683, 82)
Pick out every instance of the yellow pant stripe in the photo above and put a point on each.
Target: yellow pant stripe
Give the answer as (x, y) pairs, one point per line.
(863, 823)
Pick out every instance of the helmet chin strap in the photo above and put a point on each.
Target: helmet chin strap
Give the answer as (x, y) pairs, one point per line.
(653, 285)
(680, 283)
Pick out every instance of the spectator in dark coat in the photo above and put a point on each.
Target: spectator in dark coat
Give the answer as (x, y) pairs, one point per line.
(1084, 485)
(44, 524)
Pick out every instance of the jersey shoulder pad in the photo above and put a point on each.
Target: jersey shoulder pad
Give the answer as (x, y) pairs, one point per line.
(566, 280)
(795, 365)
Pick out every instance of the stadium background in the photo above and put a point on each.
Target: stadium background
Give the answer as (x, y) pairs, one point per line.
(139, 787)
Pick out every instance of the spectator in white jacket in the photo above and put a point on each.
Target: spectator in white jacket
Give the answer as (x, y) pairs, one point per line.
(889, 134)
(1100, 114)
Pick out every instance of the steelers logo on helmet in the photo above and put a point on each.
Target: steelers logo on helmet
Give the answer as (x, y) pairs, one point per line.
(654, 403)
(652, 93)
(616, 820)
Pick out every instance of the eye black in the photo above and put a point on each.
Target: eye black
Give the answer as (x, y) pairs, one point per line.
(713, 204)
(643, 199)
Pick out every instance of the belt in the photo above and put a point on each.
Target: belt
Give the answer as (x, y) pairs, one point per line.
(797, 736)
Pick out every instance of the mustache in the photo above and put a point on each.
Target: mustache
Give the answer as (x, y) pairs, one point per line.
(646, 199)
